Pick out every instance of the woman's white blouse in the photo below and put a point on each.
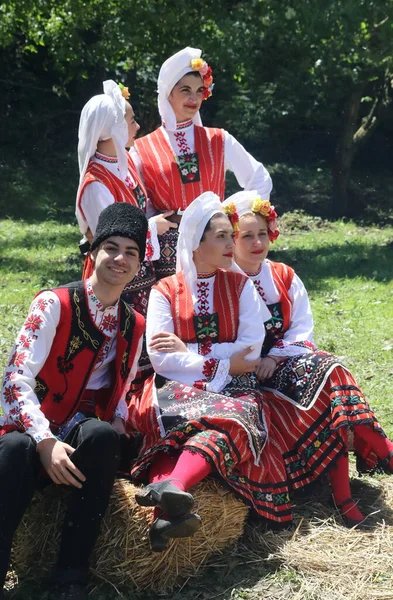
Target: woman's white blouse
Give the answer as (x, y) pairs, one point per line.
(188, 367)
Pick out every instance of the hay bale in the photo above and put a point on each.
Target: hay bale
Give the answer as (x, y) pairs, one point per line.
(122, 554)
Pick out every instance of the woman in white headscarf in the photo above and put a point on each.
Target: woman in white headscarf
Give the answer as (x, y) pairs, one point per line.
(316, 404)
(202, 413)
(182, 159)
(107, 175)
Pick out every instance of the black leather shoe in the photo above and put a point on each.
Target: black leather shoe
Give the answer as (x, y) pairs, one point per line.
(71, 591)
(163, 530)
(173, 501)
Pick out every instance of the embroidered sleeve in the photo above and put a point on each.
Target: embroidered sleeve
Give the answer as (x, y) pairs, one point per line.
(96, 197)
(251, 331)
(185, 367)
(216, 375)
(32, 346)
(299, 338)
(250, 174)
(152, 243)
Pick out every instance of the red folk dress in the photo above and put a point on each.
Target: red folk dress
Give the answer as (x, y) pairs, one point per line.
(204, 410)
(316, 402)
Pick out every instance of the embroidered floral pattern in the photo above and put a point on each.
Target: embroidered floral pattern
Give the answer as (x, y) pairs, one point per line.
(189, 167)
(33, 322)
(140, 197)
(203, 298)
(149, 247)
(41, 304)
(209, 368)
(181, 141)
(12, 393)
(25, 341)
(206, 328)
(109, 323)
(18, 359)
(260, 289)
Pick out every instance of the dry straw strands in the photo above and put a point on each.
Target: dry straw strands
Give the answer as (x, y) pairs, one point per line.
(328, 561)
(123, 554)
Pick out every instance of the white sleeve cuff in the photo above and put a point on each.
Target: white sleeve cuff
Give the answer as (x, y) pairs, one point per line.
(293, 349)
(121, 410)
(42, 435)
(221, 377)
(153, 253)
(193, 347)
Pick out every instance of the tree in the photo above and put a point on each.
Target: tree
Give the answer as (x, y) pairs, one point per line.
(314, 63)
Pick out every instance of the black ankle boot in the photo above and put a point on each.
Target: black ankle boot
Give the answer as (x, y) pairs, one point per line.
(171, 499)
(163, 529)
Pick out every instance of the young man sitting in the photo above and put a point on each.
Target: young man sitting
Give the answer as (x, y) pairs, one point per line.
(63, 396)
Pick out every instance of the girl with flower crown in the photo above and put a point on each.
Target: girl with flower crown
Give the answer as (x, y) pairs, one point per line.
(317, 405)
(181, 159)
(202, 413)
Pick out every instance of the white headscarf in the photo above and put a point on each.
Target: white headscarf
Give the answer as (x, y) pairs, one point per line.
(102, 118)
(191, 228)
(243, 201)
(172, 70)
(249, 201)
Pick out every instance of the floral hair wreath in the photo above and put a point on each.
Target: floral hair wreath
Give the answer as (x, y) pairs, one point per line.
(198, 64)
(124, 91)
(231, 213)
(266, 210)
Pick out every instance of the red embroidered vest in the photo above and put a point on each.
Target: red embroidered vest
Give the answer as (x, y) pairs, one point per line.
(161, 172)
(283, 276)
(62, 380)
(228, 287)
(120, 191)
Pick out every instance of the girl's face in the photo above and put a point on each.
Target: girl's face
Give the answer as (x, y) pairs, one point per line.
(133, 126)
(216, 249)
(186, 97)
(252, 242)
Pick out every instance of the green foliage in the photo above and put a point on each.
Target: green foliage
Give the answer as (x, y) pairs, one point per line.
(283, 70)
(303, 58)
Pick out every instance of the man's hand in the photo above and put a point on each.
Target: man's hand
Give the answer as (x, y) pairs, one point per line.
(54, 457)
(163, 225)
(239, 364)
(266, 368)
(167, 342)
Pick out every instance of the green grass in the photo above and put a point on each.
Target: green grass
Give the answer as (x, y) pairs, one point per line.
(348, 271)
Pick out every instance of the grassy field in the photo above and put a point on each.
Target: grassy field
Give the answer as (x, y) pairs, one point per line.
(348, 271)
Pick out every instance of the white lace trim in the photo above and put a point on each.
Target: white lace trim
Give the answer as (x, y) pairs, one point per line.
(155, 244)
(221, 378)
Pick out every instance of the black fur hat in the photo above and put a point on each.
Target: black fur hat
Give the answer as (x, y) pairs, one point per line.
(125, 220)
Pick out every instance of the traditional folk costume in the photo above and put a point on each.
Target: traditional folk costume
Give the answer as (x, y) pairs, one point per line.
(193, 405)
(67, 378)
(180, 161)
(317, 405)
(105, 180)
